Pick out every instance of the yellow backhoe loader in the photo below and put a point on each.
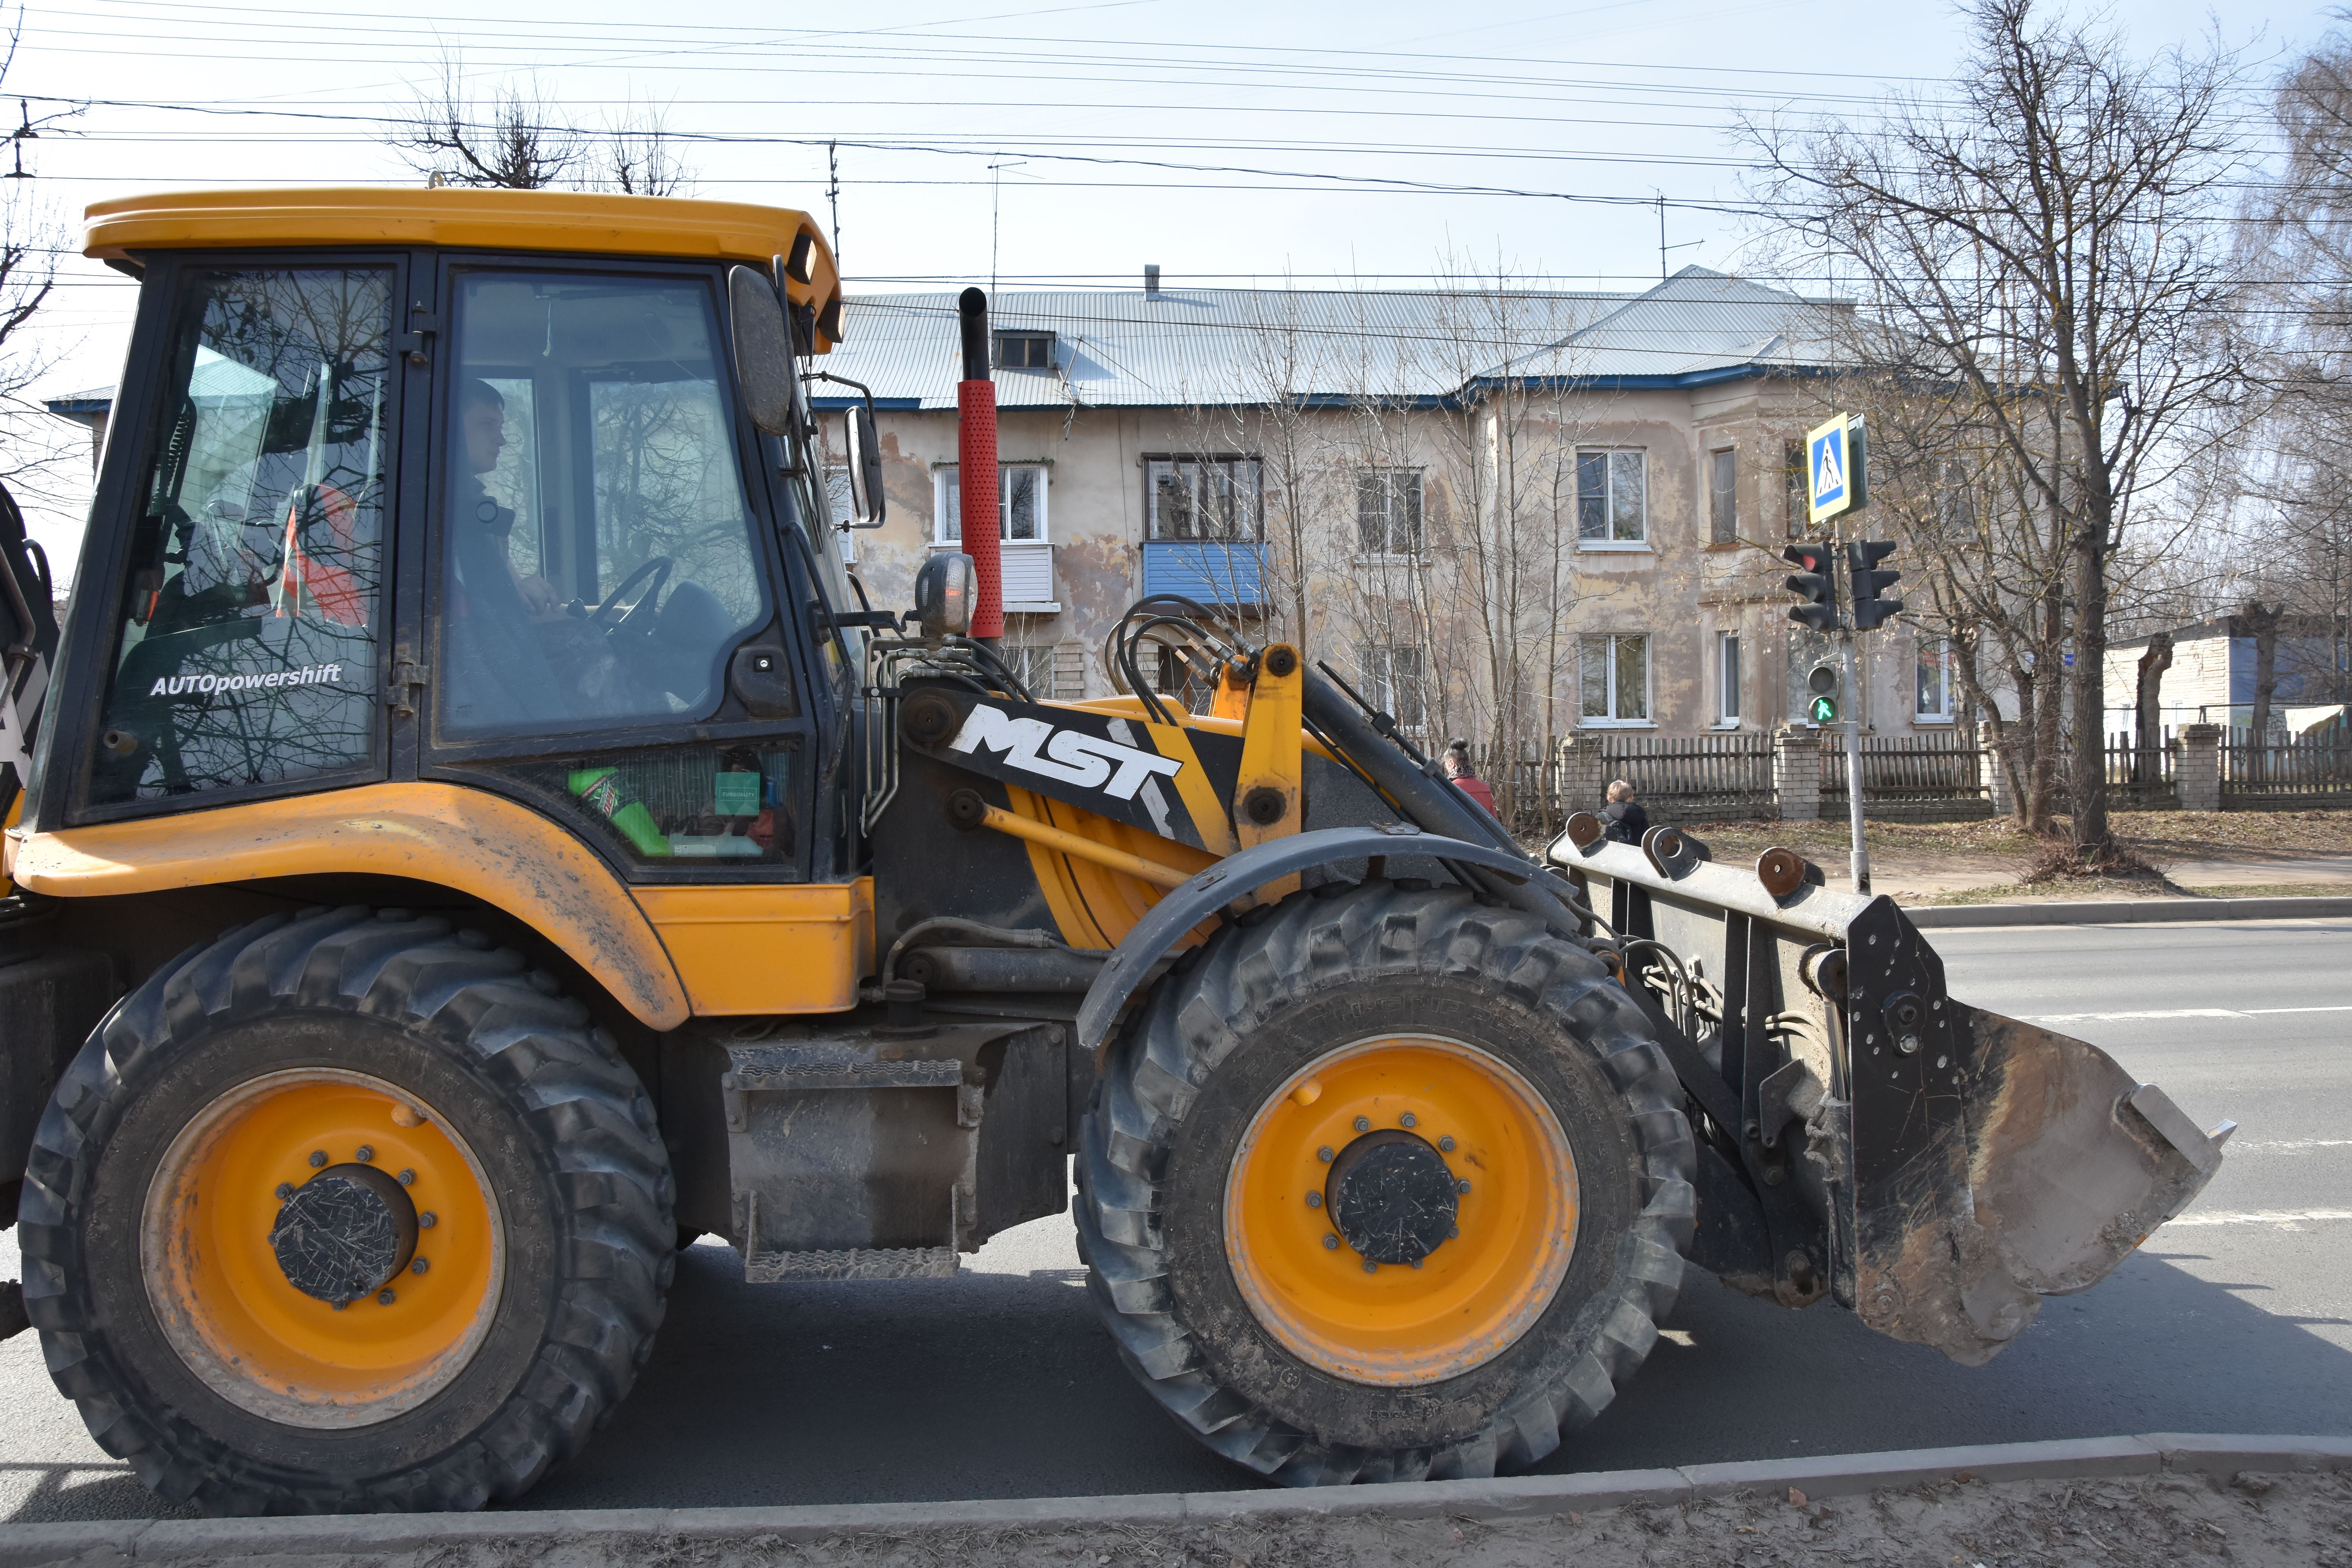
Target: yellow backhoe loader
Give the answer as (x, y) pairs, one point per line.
(475, 836)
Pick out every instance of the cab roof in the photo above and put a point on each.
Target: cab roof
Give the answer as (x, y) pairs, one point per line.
(576, 223)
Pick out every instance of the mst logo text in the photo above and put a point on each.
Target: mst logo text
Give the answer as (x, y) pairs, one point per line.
(1065, 756)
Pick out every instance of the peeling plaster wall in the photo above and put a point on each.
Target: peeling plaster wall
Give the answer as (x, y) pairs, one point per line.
(1681, 592)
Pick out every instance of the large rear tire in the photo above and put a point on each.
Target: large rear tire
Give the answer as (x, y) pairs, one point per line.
(1387, 1183)
(346, 1212)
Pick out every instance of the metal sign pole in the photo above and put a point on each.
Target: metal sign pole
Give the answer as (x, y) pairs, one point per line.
(1859, 859)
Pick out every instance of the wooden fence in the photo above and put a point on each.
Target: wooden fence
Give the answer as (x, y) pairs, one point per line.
(1694, 778)
(2141, 780)
(2316, 771)
(1924, 777)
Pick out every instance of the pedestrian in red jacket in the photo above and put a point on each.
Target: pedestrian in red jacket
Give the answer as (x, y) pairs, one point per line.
(1456, 763)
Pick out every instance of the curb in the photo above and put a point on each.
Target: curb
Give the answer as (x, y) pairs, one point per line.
(2117, 911)
(25, 1545)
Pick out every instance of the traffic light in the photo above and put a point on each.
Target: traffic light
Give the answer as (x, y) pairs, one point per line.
(1816, 582)
(1822, 682)
(1862, 559)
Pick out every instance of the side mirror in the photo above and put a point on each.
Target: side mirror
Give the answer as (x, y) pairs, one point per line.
(765, 377)
(946, 590)
(866, 501)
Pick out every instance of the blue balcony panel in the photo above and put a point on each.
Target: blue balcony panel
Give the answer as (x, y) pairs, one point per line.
(1214, 572)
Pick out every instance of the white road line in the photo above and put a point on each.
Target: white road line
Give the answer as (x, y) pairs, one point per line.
(2174, 1013)
(2286, 1219)
(2236, 1147)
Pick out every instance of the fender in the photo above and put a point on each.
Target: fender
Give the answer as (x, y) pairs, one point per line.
(1187, 906)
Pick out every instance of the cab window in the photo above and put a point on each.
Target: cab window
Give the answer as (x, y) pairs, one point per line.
(244, 635)
(597, 563)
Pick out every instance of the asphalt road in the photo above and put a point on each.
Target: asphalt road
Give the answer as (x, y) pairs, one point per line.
(2238, 1317)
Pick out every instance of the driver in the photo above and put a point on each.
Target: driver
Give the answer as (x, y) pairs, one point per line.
(482, 423)
(499, 674)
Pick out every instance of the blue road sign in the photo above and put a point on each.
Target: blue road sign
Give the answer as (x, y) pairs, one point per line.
(1828, 472)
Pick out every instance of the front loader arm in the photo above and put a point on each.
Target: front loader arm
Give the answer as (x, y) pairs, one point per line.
(1957, 1165)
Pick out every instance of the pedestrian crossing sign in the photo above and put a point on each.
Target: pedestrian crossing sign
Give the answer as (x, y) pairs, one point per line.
(1835, 461)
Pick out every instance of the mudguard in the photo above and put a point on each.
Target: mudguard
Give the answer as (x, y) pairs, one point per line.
(1963, 1165)
(1522, 884)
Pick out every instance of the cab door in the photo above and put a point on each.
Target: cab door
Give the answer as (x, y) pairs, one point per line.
(239, 643)
(607, 628)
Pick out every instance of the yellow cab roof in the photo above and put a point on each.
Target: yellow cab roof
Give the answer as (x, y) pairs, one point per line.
(578, 223)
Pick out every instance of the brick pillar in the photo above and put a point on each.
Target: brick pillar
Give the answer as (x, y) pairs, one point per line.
(1796, 774)
(1583, 775)
(2200, 767)
(1996, 778)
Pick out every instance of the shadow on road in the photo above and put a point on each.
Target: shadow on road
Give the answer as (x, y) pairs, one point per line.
(1003, 1385)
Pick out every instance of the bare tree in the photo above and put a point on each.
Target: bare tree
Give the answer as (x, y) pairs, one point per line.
(2039, 248)
(32, 446)
(513, 138)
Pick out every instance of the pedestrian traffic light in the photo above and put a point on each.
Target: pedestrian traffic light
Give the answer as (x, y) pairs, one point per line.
(1822, 682)
(1861, 558)
(1815, 582)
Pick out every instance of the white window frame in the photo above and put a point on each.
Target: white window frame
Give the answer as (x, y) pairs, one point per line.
(1247, 475)
(1377, 662)
(947, 502)
(1722, 501)
(1613, 698)
(1405, 486)
(1941, 648)
(1727, 674)
(1613, 468)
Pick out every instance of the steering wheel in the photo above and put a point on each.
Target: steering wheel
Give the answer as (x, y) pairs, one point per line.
(639, 613)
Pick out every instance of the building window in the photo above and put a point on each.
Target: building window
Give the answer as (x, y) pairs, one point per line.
(1612, 497)
(1793, 484)
(1175, 675)
(1727, 680)
(1616, 678)
(1393, 683)
(1933, 701)
(1032, 667)
(1217, 497)
(1722, 498)
(1388, 512)
(1025, 351)
(1020, 503)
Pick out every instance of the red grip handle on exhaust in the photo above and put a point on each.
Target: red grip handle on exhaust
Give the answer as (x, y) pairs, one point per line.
(980, 498)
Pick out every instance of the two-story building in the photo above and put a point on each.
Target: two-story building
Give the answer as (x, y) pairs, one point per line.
(1500, 513)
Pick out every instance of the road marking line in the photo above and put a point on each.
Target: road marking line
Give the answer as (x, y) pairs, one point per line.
(2236, 1148)
(2174, 1013)
(2289, 1220)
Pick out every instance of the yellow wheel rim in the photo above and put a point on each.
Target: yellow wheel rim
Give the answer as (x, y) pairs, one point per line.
(219, 1207)
(1491, 1271)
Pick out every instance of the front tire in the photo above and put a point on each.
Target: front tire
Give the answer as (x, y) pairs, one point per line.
(1385, 1184)
(346, 1212)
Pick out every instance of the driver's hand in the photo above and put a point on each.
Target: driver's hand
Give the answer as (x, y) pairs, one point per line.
(538, 595)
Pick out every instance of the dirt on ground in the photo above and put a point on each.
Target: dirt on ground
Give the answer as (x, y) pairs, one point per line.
(2156, 1522)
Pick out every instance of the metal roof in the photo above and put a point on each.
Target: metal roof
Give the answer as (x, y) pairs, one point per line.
(1225, 347)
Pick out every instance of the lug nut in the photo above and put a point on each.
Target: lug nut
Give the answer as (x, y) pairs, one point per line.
(419, 1267)
(1370, 1267)
(285, 1191)
(428, 1219)
(341, 1305)
(385, 1299)
(1325, 1154)
(1452, 1230)
(1406, 1120)
(1446, 1143)
(1462, 1186)
(318, 1158)
(1416, 1263)
(1330, 1243)
(1315, 1200)
(1363, 1124)
(407, 1178)
(366, 1153)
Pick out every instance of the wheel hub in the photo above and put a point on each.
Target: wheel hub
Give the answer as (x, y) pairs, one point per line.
(1392, 1198)
(344, 1234)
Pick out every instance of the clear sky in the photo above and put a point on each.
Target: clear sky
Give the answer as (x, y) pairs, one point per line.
(1355, 145)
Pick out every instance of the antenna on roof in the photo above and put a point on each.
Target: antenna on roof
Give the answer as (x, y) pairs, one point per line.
(1663, 246)
(832, 198)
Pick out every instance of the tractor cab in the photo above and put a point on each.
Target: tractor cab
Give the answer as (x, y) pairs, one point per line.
(475, 501)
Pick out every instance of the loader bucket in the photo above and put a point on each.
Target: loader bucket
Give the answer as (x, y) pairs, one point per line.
(1962, 1165)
